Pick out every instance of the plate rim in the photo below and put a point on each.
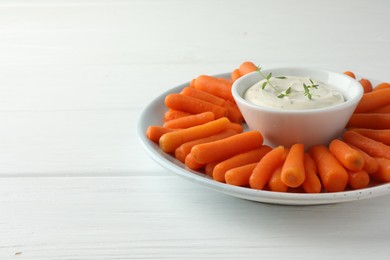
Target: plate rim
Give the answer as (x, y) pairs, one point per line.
(170, 163)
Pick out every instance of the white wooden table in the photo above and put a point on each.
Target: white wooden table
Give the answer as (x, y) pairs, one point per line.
(75, 182)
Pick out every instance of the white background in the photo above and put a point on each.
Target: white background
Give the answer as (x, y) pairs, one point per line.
(75, 182)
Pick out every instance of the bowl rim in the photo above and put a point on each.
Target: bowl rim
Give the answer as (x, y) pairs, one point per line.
(337, 107)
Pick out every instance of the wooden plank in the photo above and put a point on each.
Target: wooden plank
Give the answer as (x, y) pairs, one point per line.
(166, 217)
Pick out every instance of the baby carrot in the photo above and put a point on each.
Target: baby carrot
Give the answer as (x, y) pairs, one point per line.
(209, 168)
(368, 145)
(380, 135)
(191, 163)
(373, 100)
(286, 151)
(247, 67)
(239, 176)
(155, 132)
(173, 114)
(192, 83)
(238, 160)
(358, 179)
(370, 163)
(236, 127)
(275, 182)
(369, 120)
(333, 175)
(265, 167)
(312, 183)
(183, 150)
(202, 95)
(217, 86)
(350, 73)
(234, 113)
(235, 74)
(384, 109)
(383, 173)
(382, 85)
(366, 84)
(191, 120)
(170, 141)
(349, 157)
(223, 149)
(193, 105)
(293, 171)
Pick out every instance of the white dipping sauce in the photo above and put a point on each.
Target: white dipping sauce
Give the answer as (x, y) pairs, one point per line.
(322, 96)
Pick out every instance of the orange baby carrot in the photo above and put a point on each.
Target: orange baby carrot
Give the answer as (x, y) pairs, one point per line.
(209, 168)
(370, 163)
(174, 114)
(380, 135)
(358, 179)
(193, 105)
(350, 73)
(369, 120)
(235, 74)
(366, 84)
(191, 120)
(217, 86)
(247, 67)
(236, 127)
(192, 83)
(383, 173)
(384, 109)
(275, 182)
(333, 175)
(368, 145)
(239, 176)
(265, 167)
(349, 157)
(183, 150)
(293, 171)
(155, 132)
(238, 160)
(373, 100)
(223, 149)
(202, 95)
(286, 151)
(312, 183)
(234, 113)
(191, 163)
(382, 85)
(170, 141)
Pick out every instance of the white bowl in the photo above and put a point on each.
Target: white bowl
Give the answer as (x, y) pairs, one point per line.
(310, 127)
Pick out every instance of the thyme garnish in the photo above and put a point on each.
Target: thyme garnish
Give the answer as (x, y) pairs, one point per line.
(268, 82)
(287, 92)
(307, 89)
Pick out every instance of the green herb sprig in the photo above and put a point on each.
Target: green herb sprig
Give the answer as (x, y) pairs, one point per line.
(287, 92)
(268, 82)
(307, 89)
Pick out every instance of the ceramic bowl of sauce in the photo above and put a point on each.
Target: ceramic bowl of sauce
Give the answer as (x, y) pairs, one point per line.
(297, 105)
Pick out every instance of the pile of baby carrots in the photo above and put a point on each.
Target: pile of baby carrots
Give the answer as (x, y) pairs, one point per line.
(203, 129)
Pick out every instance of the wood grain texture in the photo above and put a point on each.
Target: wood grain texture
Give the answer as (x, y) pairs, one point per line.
(166, 217)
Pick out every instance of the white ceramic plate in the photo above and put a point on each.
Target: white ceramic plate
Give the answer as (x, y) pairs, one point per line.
(153, 115)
